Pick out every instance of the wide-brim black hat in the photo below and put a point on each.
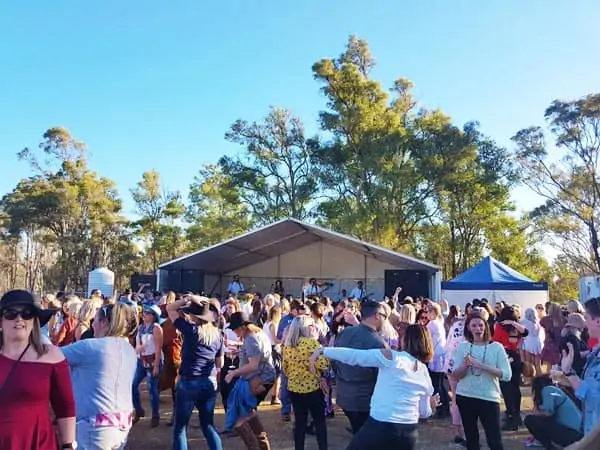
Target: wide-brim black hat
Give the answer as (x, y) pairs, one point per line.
(20, 297)
(237, 320)
(203, 312)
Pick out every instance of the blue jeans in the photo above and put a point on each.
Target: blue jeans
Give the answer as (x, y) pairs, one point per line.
(141, 373)
(284, 396)
(201, 393)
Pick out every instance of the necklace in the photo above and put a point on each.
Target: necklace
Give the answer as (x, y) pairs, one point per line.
(477, 372)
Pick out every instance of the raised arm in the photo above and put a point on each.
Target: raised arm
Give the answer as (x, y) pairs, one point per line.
(353, 357)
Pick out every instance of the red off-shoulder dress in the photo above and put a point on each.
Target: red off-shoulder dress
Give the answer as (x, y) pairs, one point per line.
(25, 400)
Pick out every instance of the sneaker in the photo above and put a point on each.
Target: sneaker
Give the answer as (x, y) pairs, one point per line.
(286, 417)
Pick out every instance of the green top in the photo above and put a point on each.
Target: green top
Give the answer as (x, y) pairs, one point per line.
(477, 383)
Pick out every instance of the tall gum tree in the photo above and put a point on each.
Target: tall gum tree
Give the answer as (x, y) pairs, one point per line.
(564, 172)
(273, 175)
(368, 168)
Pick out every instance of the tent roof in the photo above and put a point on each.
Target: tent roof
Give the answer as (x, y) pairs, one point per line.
(280, 238)
(492, 274)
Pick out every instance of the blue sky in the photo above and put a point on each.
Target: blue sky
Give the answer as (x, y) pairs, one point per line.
(154, 84)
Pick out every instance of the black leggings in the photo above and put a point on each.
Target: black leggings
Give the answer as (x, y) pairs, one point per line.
(313, 402)
(474, 409)
(547, 431)
(384, 436)
(511, 390)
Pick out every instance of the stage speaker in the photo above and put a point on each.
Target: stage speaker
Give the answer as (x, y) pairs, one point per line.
(192, 281)
(174, 280)
(137, 280)
(414, 283)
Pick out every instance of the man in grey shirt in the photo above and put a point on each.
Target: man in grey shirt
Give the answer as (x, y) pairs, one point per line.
(355, 385)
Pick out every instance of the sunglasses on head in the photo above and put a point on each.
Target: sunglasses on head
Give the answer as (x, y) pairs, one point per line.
(25, 314)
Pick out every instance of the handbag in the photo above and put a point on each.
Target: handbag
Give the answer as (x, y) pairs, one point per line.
(148, 361)
(13, 367)
(256, 386)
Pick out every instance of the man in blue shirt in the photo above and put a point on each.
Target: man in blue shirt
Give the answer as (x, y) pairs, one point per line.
(296, 309)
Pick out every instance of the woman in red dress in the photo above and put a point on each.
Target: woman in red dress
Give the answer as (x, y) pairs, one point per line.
(33, 376)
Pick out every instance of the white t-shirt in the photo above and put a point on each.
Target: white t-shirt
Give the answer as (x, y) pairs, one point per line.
(230, 336)
(401, 393)
(438, 338)
(270, 334)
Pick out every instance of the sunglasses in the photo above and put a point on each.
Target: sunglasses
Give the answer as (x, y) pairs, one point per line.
(25, 314)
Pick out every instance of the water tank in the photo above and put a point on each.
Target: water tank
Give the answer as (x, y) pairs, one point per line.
(102, 279)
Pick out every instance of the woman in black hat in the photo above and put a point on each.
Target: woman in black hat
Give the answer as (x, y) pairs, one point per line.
(32, 375)
(257, 369)
(201, 352)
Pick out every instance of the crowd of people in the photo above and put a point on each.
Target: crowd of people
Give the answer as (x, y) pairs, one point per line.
(391, 364)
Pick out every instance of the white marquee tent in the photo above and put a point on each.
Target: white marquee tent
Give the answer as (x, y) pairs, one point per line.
(295, 251)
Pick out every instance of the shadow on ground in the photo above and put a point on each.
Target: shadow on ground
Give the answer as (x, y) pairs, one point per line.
(434, 435)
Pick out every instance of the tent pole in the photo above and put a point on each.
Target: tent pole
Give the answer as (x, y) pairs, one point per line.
(365, 273)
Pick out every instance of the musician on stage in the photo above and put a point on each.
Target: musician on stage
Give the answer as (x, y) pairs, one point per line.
(236, 286)
(358, 292)
(314, 288)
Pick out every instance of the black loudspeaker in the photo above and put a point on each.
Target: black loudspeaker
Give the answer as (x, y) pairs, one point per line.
(174, 280)
(137, 280)
(192, 281)
(414, 283)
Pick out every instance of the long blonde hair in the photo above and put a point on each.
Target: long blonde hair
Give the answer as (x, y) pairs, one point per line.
(122, 320)
(87, 312)
(208, 333)
(275, 315)
(408, 314)
(300, 327)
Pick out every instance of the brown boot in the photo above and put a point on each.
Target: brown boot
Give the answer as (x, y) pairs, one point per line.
(248, 437)
(260, 433)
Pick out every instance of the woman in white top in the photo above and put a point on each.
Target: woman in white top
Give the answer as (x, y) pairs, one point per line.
(149, 342)
(456, 335)
(270, 330)
(403, 392)
(534, 341)
(436, 366)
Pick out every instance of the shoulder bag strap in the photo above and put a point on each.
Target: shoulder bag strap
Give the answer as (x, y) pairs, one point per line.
(14, 366)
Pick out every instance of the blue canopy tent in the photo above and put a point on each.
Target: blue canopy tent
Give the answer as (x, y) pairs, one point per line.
(495, 281)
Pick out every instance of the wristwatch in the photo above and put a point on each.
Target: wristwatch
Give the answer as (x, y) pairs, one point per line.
(570, 373)
(69, 446)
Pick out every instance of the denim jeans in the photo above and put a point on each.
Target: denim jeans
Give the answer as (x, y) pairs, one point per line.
(202, 394)
(141, 373)
(284, 396)
(90, 437)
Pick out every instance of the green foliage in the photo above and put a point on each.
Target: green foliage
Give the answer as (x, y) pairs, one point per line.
(274, 174)
(566, 175)
(69, 217)
(158, 211)
(369, 168)
(216, 210)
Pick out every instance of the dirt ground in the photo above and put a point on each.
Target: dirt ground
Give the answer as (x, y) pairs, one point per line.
(434, 435)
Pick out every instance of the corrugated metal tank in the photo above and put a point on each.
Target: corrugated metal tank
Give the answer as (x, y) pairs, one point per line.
(102, 279)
